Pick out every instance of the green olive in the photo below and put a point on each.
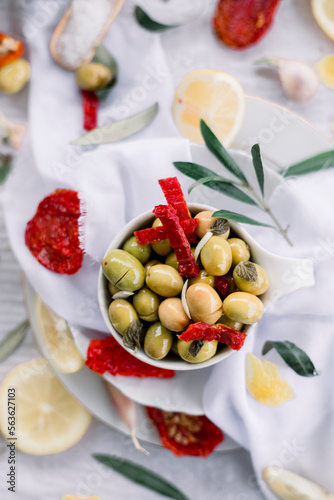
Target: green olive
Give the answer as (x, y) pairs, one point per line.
(203, 277)
(122, 314)
(224, 320)
(151, 263)
(205, 350)
(204, 303)
(92, 76)
(146, 304)
(14, 76)
(158, 341)
(216, 256)
(243, 307)
(162, 248)
(240, 250)
(123, 270)
(142, 253)
(164, 280)
(171, 260)
(251, 278)
(113, 289)
(205, 221)
(172, 315)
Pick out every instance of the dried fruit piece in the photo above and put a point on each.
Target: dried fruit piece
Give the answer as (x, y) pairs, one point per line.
(90, 109)
(219, 332)
(264, 382)
(222, 286)
(241, 23)
(107, 355)
(186, 434)
(173, 193)
(156, 234)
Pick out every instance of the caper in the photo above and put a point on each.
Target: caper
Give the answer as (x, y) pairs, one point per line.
(216, 256)
(204, 303)
(240, 250)
(123, 270)
(14, 76)
(146, 304)
(205, 221)
(172, 315)
(203, 277)
(164, 280)
(171, 259)
(186, 350)
(251, 278)
(224, 320)
(163, 247)
(243, 307)
(158, 341)
(112, 288)
(92, 76)
(142, 253)
(122, 315)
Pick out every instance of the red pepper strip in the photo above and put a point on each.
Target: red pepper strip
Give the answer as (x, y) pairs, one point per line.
(178, 240)
(10, 49)
(174, 197)
(107, 355)
(222, 333)
(156, 234)
(241, 23)
(90, 108)
(222, 285)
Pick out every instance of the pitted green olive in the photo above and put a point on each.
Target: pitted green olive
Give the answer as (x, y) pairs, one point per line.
(204, 303)
(123, 270)
(151, 263)
(206, 221)
(142, 253)
(203, 277)
(251, 278)
(240, 250)
(92, 76)
(171, 260)
(158, 341)
(14, 76)
(216, 256)
(146, 304)
(196, 351)
(113, 289)
(164, 280)
(172, 315)
(162, 248)
(243, 307)
(122, 315)
(224, 320)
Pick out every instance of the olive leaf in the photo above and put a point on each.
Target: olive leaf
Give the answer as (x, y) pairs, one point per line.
(258, 166)
(219, 226)
(216, 148)
(239, 218)
(141, 475)
(247, 271)
(103, 56)
(12, 340)
(321, 161)
(5, 167)
(150, 24)
(295, 357)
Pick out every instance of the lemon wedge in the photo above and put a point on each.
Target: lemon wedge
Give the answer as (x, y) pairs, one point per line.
(325, 69)
(264, 382)
(47, 418)
(58, 342)
(323, 11)
(215, 97)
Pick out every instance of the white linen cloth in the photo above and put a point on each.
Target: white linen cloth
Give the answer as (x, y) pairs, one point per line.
(299, 434)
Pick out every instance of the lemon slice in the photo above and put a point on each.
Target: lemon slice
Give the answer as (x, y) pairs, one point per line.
(325, 69)
(323, 11)
(215, 97)
(58, 342)
(47, 418)
(265, 384)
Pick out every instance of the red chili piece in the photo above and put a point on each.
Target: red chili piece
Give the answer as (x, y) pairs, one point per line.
(156, 234)
(186, 434)
(222, 285)
(178, 240)
(241, 23)
(107, 355)
(52, 235)
(222, 333)
(90, 108)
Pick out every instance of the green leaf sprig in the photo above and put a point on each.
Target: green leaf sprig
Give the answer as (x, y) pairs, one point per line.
(240, 189)
(103, 56)
(141, 475)
(318, 162)
(5, 167)
(294, 357)
(150, 24)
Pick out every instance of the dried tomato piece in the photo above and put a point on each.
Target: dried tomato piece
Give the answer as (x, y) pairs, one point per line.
(90, 109)
(10, 49)
(107, 355)
(178, 240)
(52, 235)
(156, 234)
(186, 434)
(222, 333)
(241, 23)
(222, 285)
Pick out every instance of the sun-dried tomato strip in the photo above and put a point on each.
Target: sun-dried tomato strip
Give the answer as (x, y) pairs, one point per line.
(222, 285)
(107, 355)
(156, 234)
(222, 333)
(10, 49)
(90, 109)
(174, 197)
(178, 240)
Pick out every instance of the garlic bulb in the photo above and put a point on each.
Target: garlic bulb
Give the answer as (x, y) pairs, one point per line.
(300, 82)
